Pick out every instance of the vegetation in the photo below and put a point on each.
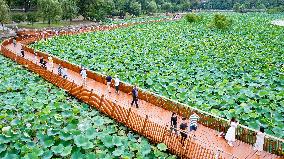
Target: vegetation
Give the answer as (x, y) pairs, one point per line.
(50, 10)
(38, 120)
(235, 72)
(221, 21)
(192, 18)
(4, 12)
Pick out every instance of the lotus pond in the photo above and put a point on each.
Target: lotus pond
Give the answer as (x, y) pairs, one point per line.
(238, 72)
(38, 120)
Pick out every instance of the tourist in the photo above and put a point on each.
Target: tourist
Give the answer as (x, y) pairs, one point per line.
(183, 133)
(59, 71)
(22, 52)
(83, 73)
(14, 41)
(193, 123)
(174, 123)
(42, 62)
(135, 96)
(116, 84)
(108, 80)
(50, 61)
(231, 133)
(64, 73)
(259, 139)
(35, 60)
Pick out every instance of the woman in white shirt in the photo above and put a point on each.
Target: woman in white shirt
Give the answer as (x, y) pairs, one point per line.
(84, 76)
(231, 133)
(116, 84)
(259, 139)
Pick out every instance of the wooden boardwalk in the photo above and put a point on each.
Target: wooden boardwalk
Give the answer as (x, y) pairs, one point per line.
(204, 136)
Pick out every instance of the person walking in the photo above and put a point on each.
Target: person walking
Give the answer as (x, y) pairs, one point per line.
(22, 52)
(231, 133)
(174, 123)
(64, 73)
(183, 126)
(50, 61)
(108, 80)
(260, 135)
(35, 60)
(59, 70)
(135, 96)
(193, 123)
(14, 41)
(116, 84)
(84, 76)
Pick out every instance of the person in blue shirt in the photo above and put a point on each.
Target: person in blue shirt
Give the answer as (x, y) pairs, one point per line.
(135, 96)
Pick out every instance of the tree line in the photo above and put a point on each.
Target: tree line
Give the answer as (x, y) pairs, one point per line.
(97, 10)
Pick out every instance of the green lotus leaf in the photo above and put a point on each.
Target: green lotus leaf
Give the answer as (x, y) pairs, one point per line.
(117, 140)
(162, 147)
(57, 149)
(107, 140)
(66, 151)
(47, 154)
(81, 140)
(65, 136)
(91, 133)
(2, 148)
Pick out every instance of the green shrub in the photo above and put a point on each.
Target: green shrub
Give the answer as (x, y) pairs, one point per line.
(191, 18)
(19, 17)
(221, 21)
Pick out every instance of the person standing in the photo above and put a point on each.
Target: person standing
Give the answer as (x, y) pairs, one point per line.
(135, 96)
(231, 133)
(260, 135)
(183, 126)
(108, 80)
(35, 58)
(174, 123)
(116, 84)
(84, 76)
(193, 123)
(50, 61)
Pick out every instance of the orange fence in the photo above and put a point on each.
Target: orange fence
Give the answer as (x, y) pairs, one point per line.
(156, 133)
(245, 134)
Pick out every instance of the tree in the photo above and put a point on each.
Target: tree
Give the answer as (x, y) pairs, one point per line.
(4, 12)
(31, 17)
(168, 7)
(70, 9)
(99, 9)
(152, 7)
(135, 8)
(49, 10)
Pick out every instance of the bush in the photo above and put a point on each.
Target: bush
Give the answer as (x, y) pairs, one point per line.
(191, 18)
(19, 17)
(221, 21)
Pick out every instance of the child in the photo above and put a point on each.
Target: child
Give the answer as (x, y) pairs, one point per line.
(259, 139)
(231, 133)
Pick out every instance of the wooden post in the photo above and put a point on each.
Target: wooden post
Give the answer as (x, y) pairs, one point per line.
(71, 87)
(113, 109)
(101, 101)
(144, 124)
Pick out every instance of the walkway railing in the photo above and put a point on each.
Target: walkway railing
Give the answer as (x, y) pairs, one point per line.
(140, 124)
(272, 144)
